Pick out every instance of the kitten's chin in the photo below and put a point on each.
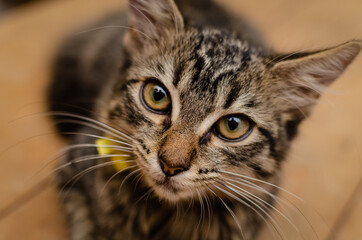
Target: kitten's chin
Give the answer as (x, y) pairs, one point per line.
(171, 194)
(168, 189)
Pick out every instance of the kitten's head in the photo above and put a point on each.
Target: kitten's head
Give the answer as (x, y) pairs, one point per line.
(204, 105)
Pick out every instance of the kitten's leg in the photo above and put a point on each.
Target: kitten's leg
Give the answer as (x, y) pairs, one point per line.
(75, 202)
(78, 216)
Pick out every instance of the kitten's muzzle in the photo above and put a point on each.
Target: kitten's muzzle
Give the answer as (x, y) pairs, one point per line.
(171, 171)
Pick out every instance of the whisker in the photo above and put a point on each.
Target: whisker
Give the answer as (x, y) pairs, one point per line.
(138, 10)
(98, 137)
(139, 176)
(251, 207)
(229, 210)
(295, 105)
(126, 178)
(260, 200)
(66, 149)
(90, 157)
(272, 60)
(261, 181)
(77, 116)
(144, 195)
(113, 26)
(96, 127)
(112, 177)
(278, 200)
(208, 203)
(81, 174)
(201, 209)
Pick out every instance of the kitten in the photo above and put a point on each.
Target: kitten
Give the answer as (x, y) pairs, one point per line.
(197, 109)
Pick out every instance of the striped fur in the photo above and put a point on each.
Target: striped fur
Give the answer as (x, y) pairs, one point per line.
(213, 65)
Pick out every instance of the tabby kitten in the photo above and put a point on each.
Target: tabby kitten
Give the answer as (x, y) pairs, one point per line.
(195, 113)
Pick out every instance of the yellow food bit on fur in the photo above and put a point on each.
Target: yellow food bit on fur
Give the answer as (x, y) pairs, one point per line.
(119, 162)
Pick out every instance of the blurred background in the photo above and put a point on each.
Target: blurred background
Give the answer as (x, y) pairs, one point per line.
(325, 165)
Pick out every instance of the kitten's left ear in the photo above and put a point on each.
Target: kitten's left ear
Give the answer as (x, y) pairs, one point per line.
(150, 21)
(301, 78)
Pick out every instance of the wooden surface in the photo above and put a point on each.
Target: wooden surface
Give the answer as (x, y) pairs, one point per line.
(324, 168)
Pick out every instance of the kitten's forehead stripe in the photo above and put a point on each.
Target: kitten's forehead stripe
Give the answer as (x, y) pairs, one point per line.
(271, 142)
(232, 96)
(211, 73)
(178, 73)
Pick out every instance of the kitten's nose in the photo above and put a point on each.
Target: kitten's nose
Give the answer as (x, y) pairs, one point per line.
(170, 171)
(177, 151)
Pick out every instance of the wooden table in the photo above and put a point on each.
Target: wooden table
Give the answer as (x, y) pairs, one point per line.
(325, 166)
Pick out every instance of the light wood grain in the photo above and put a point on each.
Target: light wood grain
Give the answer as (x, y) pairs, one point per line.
(324, 166)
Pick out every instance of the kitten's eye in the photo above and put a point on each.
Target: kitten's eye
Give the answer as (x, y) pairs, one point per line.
(233, 127)
(155, 97)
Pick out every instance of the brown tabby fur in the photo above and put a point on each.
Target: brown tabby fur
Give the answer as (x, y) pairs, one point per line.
(213, 65)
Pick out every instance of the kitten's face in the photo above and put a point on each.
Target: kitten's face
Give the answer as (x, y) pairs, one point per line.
(203, 106)
(197, 106)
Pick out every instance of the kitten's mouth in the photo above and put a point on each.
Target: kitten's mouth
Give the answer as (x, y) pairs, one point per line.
(167, 185)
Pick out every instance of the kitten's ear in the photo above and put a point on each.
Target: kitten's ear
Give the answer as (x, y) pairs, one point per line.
(301, 78)
(150, 21)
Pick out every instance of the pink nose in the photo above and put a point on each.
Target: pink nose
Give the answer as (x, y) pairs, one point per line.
(170, 171)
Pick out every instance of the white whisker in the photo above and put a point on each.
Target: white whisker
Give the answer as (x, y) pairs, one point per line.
(91, 120)
(262, 200)
(201, 218)
(248, 205)
(126, 178)
(278, 200)
(229, 210)
(261, 181)
(82, 173)
(113, 26)
(112, 177)
(97, 127)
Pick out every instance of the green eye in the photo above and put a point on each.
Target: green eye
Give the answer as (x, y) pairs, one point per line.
(233, 127)
(155, 97)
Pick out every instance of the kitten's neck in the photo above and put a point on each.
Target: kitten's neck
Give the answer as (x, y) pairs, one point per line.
(192, 219)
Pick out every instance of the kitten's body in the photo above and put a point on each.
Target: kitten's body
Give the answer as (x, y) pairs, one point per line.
(215, 62)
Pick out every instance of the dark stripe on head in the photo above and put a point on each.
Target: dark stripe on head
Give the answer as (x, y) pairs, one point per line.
(246, 58)
(250, 104)
(199, 65)
(232, 96)
(291, 128)
(178, 73)
(261, 172)
(271, 142)
(160, 68)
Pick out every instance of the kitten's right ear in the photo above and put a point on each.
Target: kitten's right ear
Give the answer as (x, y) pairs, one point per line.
(150, 21)
(300, 79)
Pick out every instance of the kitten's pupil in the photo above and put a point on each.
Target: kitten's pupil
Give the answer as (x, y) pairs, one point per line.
(158, 93)
(233, 123)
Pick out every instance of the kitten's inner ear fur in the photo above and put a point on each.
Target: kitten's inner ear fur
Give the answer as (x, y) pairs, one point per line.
(301, 80)
(150, 21)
